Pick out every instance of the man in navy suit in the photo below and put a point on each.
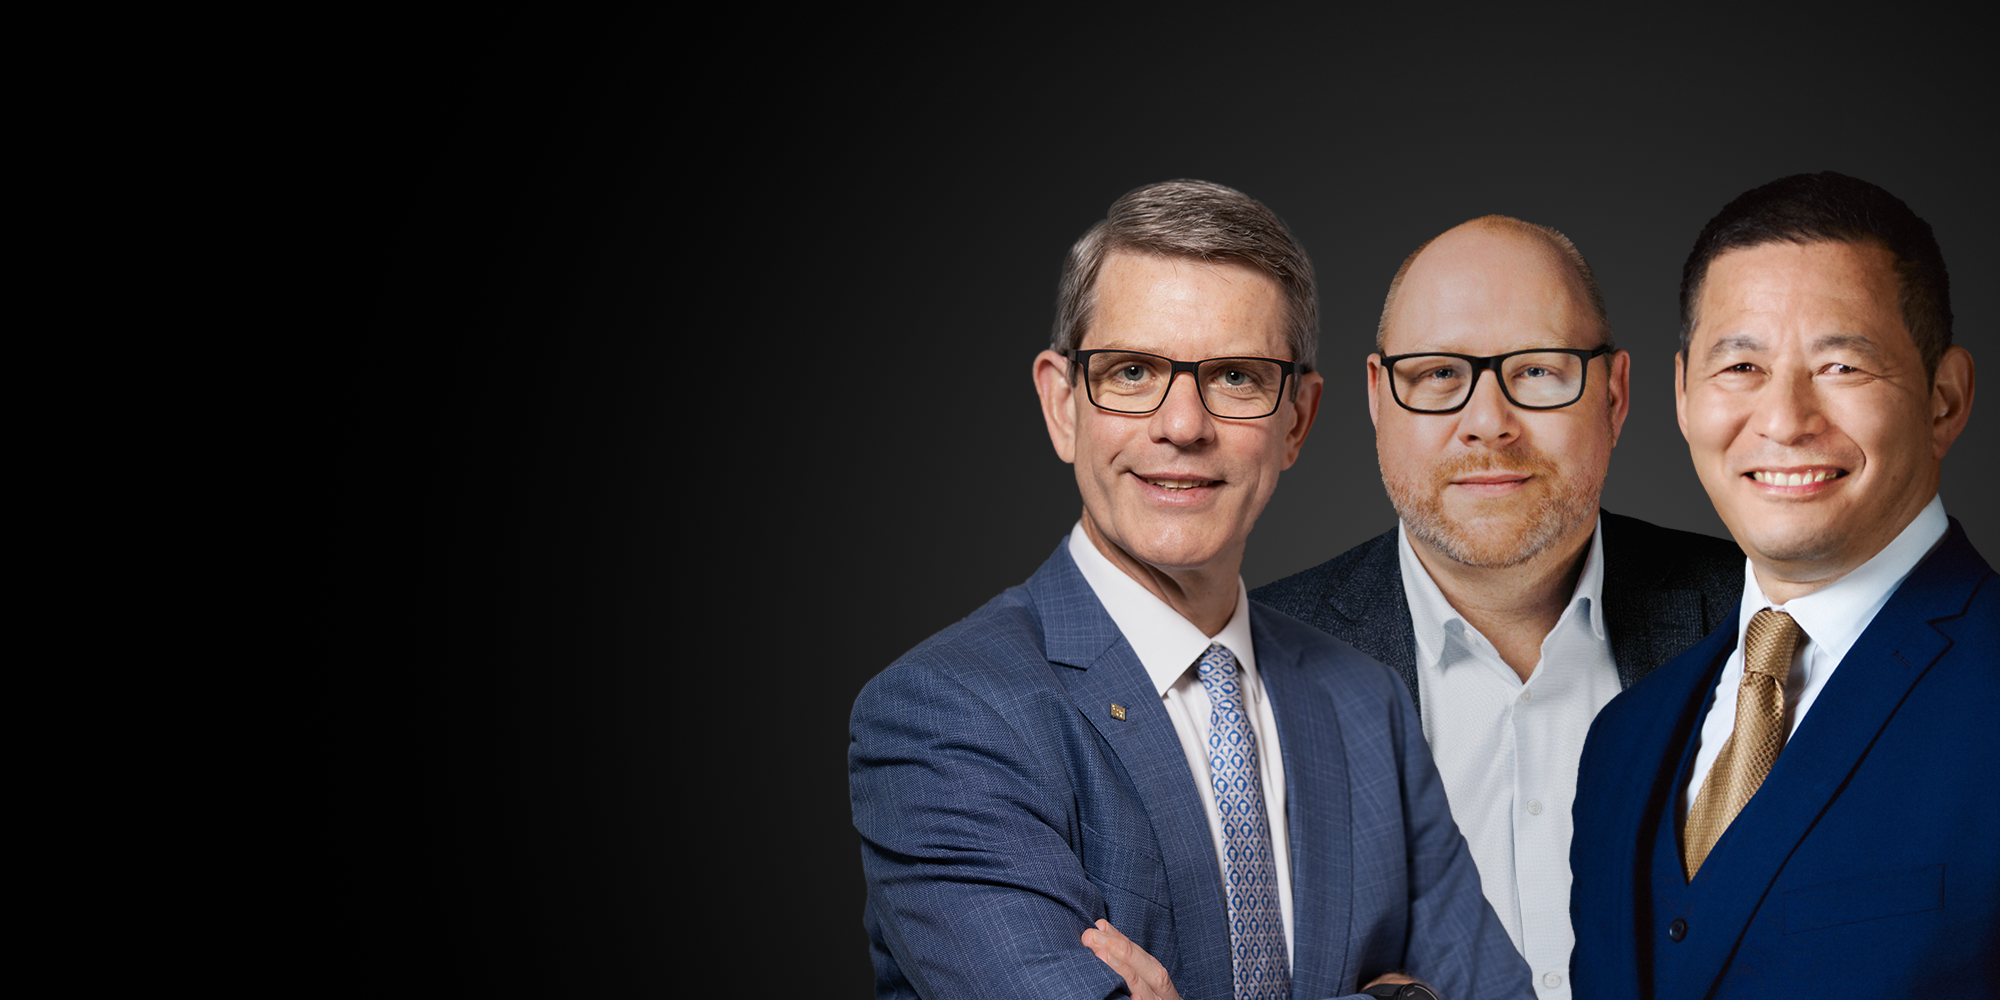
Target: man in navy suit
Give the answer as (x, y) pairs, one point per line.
(1123, 758)
(1801, 805)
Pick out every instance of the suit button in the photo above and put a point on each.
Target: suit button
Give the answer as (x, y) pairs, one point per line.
(1678, 929)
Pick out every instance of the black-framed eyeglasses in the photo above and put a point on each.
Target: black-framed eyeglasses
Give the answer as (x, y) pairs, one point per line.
(1542, 378)
(1136, 382)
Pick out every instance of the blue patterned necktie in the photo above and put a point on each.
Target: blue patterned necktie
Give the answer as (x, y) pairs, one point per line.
(1250, 873)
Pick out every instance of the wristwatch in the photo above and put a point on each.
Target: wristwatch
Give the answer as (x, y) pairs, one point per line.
(1404, 991)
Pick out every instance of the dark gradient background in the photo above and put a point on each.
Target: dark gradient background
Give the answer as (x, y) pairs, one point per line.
(906, 212)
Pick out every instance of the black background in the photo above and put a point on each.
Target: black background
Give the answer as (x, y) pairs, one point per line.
(720, 508)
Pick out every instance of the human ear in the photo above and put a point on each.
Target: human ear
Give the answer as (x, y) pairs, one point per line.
(1951, 399)
(1053, 385)
(1680, 393)
(1374, 378)
(1304, 407)
(1621, 391)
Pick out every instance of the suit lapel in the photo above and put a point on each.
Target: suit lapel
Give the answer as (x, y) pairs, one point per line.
(1649, 623)
(1317, 807)
(1864, 693)
(1079, 634)
(1378, 611)
(1628, 834)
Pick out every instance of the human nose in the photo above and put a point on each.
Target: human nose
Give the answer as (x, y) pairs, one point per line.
(1789, 412)
(1487, 416)
(1181, 418)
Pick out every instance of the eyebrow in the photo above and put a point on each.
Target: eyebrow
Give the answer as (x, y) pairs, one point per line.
(1856, 342)
(1734, 342)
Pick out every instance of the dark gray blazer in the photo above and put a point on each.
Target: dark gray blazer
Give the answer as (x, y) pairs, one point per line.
(1663, 591)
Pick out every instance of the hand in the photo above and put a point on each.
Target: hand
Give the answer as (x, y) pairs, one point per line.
(1144, 975)
(1399, 979)
(1393, 979)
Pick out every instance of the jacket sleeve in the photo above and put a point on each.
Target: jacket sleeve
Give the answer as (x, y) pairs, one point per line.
(1456, 943)
(970, 845)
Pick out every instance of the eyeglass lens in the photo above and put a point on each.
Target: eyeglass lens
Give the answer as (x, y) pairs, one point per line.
(1439, 382)
(1231, 387)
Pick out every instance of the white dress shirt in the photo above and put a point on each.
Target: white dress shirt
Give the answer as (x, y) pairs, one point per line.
(1168, 646)
(1508, 750)
(1833, 618)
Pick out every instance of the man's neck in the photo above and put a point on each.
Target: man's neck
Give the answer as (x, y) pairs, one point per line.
(1514, 607)
(1204, 595)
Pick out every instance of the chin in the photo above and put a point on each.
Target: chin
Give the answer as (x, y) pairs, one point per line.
(1485, 547)
(1801, 546)
(1498, 542)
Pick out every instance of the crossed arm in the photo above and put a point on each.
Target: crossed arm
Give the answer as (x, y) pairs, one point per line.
(971, 846)
(1146, 978)
(975, 851)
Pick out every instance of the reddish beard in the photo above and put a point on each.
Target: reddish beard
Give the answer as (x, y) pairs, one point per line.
(1517, 529)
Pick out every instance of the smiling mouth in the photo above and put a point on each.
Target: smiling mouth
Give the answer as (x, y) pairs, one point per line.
(1178, 484)
(1796, 478)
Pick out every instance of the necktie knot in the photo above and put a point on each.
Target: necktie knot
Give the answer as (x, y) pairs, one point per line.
(1770, 642)
(1216, 664)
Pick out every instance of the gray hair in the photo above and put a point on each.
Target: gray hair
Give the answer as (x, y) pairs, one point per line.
(1192, 220)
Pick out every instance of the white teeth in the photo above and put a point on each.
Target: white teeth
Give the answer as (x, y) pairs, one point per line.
(1795, 478)
(1178, 484)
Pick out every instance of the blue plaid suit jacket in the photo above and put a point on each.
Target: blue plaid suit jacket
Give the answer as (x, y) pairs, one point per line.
(1003, 808)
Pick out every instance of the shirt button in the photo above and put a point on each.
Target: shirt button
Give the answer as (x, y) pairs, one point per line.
(1552, 979)
(1528, 696)
(1678, 929)
(1535, 809)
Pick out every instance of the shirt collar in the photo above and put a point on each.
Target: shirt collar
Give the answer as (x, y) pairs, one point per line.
(1431, 614)
(1835, 615)
(1166, 643)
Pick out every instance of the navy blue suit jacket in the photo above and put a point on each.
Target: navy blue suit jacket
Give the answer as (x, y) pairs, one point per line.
(1003, 808)
(1867, 864)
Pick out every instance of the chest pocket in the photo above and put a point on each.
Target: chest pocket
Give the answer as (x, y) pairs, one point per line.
(1120, 864)
(1864, 897)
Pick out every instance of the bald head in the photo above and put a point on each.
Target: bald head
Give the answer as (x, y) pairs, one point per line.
(1494, 261)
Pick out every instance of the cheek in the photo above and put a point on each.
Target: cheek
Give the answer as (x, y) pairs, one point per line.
(1404, 444)
(1710, 429)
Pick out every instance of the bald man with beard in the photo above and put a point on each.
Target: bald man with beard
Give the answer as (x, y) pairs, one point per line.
(1510, 604)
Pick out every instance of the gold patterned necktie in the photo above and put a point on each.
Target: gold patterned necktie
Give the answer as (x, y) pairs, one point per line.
(1746, 757)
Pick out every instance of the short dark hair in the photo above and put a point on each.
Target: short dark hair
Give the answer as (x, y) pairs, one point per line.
(1192, 220)
(1833, 208)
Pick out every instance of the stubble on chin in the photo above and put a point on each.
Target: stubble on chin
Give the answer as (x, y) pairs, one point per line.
(1499, 542)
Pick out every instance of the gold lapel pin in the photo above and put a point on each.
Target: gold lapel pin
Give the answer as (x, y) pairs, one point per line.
(1118, 711)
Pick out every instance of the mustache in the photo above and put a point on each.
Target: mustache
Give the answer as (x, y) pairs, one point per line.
(1526, 461)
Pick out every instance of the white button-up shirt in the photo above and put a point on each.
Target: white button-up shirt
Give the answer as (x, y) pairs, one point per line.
(1833, 618)
(1168, 647)
(1508, 750)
